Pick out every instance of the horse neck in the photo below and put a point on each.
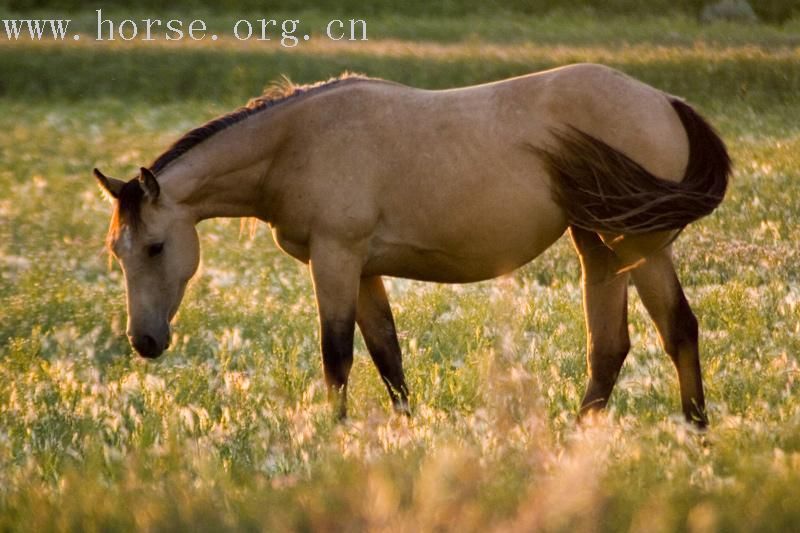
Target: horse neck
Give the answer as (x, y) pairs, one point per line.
(224, 175)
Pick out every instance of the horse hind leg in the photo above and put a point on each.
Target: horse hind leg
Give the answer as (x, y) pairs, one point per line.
(375, 320)
(662, 295)
(605, 302)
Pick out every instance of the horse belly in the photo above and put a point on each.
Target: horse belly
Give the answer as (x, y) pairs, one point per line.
(441, 266)
(499, 236)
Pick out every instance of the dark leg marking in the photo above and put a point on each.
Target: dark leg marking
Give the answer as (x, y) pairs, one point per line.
(337, 360)
(662, 295)
(375, 320)
(335, 270)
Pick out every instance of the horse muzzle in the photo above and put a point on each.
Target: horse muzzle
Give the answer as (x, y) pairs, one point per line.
(149, 346)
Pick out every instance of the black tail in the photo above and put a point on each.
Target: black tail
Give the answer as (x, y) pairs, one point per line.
(602, 190)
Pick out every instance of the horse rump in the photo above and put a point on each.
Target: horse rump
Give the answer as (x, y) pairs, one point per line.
(602, 190)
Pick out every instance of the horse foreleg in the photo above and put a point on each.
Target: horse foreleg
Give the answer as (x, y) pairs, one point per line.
(662, 296)
(336, 271)
(374, 318)
(605, 302)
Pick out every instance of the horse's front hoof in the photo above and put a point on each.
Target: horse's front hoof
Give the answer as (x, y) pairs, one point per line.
(401, 408)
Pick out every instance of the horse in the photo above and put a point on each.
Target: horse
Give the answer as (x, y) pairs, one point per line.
(361, 178)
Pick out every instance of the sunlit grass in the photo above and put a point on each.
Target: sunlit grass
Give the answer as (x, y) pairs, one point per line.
(754, 64)
(231, 428)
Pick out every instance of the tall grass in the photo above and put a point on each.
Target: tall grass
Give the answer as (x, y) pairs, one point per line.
(231, 429)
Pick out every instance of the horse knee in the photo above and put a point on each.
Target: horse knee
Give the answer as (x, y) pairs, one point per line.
(605, 360)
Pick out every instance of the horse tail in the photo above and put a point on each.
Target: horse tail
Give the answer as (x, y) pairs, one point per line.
(602, 190)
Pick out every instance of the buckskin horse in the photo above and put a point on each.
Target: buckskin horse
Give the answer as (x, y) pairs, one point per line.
(362, 178)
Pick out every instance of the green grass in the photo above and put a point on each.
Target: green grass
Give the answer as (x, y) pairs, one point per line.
(754, 63)
(230, 430)
(555, 26)
(773, 11)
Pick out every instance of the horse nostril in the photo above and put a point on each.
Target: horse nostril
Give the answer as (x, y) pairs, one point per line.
(146, 346)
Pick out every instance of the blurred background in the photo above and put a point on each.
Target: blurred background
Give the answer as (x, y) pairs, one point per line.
(681, 46)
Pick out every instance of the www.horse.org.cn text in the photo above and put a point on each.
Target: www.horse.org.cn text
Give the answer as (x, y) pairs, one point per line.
(285, 32)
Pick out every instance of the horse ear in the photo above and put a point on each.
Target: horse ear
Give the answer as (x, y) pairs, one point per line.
(110, 186)
(149, 184)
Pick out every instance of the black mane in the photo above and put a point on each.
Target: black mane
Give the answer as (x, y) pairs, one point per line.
(277, 94)
(131, 196)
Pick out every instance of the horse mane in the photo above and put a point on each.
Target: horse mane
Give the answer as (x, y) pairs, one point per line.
(278, 92)
(128, 211)
(130, 197)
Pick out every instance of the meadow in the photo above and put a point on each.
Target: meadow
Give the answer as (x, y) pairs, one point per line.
(230, 429)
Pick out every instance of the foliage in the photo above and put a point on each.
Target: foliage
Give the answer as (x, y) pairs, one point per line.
(734, 10)
(769, 10)
(776, 10)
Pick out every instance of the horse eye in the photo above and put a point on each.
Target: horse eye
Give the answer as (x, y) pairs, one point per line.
(155, 249)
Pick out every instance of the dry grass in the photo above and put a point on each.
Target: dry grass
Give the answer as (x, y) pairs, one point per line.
(231, 429)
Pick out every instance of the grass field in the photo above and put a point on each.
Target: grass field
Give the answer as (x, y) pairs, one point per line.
(230, 430)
